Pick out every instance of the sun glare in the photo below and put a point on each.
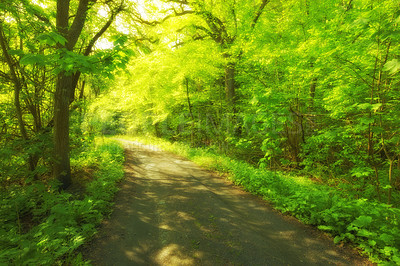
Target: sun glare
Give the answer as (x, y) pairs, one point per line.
(104, 44)
(103, 12)
(39, 3)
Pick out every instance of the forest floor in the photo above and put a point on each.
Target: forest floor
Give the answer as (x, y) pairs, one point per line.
(169, 211)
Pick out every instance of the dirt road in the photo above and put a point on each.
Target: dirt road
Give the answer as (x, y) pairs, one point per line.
(171, 212)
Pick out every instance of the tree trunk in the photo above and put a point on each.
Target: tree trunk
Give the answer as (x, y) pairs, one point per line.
(65, 87)
(230, 84)
(62, 170)
(230, 98)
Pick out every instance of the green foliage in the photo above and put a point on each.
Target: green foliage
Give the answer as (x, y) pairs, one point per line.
(40, 225)
(103, 118)
(315, 85)
(14, 155)
(51, 39)
(35, 53)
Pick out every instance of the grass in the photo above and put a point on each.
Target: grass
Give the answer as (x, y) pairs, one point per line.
(373, 227)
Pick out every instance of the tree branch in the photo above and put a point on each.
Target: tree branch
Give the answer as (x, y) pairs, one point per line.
(96, 37)
(34, 10)
(259, 13)
(91, 44)
(206, 31)
(182, 2)
(140, 20)
(16, 81)
(5, 76)
(62, 17)
(78, 23)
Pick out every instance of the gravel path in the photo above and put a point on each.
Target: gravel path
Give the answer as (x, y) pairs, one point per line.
(171, 212)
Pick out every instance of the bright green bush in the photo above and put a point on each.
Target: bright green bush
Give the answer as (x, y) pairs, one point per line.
(58, 222)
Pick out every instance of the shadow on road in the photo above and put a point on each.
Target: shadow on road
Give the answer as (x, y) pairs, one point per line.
(171, 212)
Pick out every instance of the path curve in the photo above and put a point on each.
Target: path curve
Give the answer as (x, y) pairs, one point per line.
(171, 212)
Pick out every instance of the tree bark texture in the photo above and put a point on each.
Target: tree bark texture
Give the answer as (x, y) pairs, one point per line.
(62, 170)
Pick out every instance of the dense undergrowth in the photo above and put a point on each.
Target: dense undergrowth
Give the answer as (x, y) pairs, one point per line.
(372, 226)
(39, 225)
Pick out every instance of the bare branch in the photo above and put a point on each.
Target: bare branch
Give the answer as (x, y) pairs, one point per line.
(96, 37)
(176, 13)
(182, 2)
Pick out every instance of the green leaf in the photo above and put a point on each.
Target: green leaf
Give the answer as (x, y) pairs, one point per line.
(352, 227)
(362, 221)
(58, 38)
(51, 39)
(387, 187)
(392, 66)
(32, 59)
(361, 171)
(326, 228)
(388, 239)
(120, 40)
(376, 106)
(337, 239)
(397, 20)
(364, 106)
(364, 233)
(16, 52)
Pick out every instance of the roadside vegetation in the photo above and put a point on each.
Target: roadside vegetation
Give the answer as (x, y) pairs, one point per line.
(41, 225)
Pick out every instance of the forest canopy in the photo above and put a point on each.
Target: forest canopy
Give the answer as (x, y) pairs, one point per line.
(310, 86)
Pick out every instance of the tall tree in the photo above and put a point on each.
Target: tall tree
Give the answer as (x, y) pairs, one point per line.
(66, 82)
(227, 23)
(19, 25)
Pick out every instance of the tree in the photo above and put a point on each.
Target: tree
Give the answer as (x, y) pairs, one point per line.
(66, 82)
(311, 84)
(227, 23)
(20, 24)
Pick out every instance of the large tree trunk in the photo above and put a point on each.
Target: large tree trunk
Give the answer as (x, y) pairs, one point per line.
(62, 170)
(64, 88)
(61, 167)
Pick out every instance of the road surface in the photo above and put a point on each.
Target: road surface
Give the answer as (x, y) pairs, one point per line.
(169, 211)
